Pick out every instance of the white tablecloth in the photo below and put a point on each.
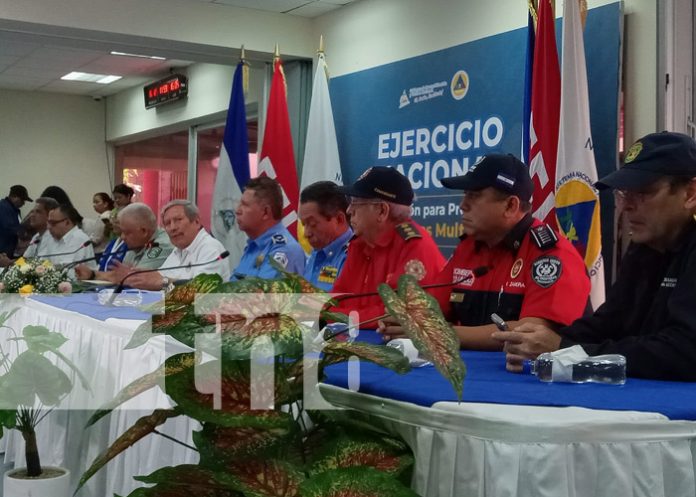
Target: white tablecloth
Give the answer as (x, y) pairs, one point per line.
(97, 348)
(493, 450)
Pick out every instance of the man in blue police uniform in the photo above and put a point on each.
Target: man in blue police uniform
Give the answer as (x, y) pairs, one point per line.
(323, 215)
(259, 215)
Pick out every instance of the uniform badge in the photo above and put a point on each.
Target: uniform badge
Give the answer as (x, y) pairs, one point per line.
(258, 261)
(415, 268)
(633, 152)
(516, 268)
(461, 276)
(154, 252)
(456, 297)
(281, 259)
(328, 274)
(546, 270)
(279, 239)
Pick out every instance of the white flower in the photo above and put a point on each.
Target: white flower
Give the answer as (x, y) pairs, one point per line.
(40, 270)
(24, 269)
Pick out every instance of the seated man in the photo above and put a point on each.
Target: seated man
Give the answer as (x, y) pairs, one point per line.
(507, 263)
(388, 242)
(193, 245)
(67, 243)
(649, 315)
(259, 215)
(148, 245)
(323, 215)
(38, 221)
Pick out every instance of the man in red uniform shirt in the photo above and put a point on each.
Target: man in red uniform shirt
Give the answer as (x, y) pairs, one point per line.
(507, 263)
(387, 243)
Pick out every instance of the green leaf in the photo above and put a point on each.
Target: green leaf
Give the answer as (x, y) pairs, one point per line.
(32, 375)
(191, 477)
(40, 339)
(180, 324)
(420, 316)
(232, 384)
(334, 317)
(168, 490)
(264, 478)
(8, 419)
(358, 481)
(388, 357)
(219, 445)
(4, 316)
(144, 426)
(174, 365)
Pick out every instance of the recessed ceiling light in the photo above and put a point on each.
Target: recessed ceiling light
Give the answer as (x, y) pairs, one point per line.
(141, 56)
(103, 79)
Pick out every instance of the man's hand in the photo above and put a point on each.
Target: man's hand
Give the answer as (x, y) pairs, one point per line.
(526, 341)
(4, 260)
(83, 272)
(146, 281)
(390, 329)
(119, 271)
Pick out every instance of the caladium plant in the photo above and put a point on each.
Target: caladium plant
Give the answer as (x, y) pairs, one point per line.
(281, 450)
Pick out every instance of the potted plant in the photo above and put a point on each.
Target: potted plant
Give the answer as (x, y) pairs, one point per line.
(31, 386)
(286, 450)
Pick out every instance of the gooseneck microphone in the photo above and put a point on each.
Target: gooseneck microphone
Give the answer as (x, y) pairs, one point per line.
(85, 244)
(121, 284)
(98, 256)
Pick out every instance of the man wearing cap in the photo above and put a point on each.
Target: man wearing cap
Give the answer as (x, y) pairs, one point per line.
(388, 242)
(649, 315)
(507, 263)
(10, 217)
(260, 216)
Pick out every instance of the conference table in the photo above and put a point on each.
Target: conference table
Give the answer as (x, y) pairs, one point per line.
(97, 336)
(513, 435)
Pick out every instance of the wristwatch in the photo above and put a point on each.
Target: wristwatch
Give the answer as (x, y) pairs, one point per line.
(167, 284)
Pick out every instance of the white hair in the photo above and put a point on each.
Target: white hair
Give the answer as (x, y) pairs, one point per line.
(141, 214)
(398, 213)
(190, 209)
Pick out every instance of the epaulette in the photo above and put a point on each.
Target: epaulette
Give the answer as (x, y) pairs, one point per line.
(544, 237)
(279, 239)
(408, 230)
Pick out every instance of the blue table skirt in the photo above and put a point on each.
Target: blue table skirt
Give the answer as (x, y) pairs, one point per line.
(87, 304)
(488, 381)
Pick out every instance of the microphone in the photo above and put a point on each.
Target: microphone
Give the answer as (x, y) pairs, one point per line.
(121, 284)
(85, 244)
(475, 273)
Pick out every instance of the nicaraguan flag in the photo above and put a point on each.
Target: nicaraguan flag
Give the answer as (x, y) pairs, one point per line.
(232, 174)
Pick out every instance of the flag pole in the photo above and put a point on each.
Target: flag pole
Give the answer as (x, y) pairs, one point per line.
(245, 72)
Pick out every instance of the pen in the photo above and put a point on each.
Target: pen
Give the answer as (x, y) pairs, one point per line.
(499, 322)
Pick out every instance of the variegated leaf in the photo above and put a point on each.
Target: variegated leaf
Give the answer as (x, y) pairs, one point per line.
(173, 365)
(192, 478)
(219, 445)
(387, 357)
(144, 426)
(169, 490)
(421, 318)
(264, 478)
(357, 481)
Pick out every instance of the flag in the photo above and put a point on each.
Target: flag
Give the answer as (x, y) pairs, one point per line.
(321, 162)
(546, 96)
(277, 158)
(577, 201)
(528, 68)
(232, 174)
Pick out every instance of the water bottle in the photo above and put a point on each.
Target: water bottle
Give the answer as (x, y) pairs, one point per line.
(609, 369)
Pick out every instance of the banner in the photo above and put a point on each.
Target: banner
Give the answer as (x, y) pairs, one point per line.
(434, 115)
(577, 201)
(232, 174)
(277, 159)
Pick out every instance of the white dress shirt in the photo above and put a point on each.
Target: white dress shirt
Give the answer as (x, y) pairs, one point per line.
(37, 243)
(71, 242)
(203, 248)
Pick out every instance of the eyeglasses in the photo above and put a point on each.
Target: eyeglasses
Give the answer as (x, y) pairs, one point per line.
(54, 222)
(624, 196)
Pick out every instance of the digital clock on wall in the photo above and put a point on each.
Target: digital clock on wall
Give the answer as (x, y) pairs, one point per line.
(165, 90)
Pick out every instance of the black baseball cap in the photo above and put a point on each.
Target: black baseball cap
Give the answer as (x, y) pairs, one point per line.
(383, 183)
(21, 192)
(504, 172)
(653, 157)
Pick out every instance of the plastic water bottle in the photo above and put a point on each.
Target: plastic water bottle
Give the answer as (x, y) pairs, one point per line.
(609, 369)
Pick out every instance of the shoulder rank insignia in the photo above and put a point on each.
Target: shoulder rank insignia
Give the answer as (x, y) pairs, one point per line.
(279, 239)
(544, 237)
(407, 231)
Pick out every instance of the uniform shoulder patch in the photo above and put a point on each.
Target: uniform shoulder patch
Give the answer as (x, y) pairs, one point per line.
(281, 258)
(544, 237)
(408, 231)
(546, 270)
(154, 252)
(416, 268)
(279, 239)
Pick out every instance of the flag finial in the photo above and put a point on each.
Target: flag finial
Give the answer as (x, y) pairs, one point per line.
(242, 57)
(276, 53)
(321, 45)
(245, 72)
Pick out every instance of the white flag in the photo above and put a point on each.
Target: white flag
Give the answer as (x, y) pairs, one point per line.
(577, 202)
(321, 161)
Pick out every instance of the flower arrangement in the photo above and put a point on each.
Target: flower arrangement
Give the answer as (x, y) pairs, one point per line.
(27, 276)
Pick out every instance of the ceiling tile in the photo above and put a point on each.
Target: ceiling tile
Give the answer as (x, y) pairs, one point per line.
(17, 48)
(314, 9)
(267, 5)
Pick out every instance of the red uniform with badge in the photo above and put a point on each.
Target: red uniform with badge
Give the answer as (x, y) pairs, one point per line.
(532, 273)
(408, 248)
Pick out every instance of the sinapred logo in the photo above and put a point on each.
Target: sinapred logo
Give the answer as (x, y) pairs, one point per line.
(459, 86)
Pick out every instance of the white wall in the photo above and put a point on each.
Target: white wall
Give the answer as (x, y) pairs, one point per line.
(51, 139)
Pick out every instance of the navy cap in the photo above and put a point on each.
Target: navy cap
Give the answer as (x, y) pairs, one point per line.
(383, 183)
(21, 192)
(504, 172)
(653, 157)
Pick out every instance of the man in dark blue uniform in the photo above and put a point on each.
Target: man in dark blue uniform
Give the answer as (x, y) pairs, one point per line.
(10, 217)
(650, 312)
